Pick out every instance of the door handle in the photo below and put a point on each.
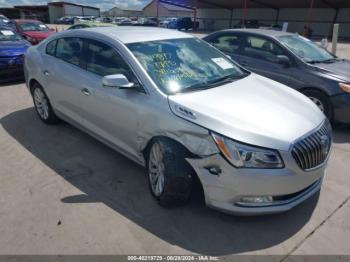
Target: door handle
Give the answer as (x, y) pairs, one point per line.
(86, 91)
(46, 73)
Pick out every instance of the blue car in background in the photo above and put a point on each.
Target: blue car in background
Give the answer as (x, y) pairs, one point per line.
(12, 50)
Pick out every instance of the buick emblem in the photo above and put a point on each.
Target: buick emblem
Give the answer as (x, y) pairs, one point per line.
(11, 62)
(324, 144)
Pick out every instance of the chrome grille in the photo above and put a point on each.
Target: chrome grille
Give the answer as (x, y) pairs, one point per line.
(313, 150)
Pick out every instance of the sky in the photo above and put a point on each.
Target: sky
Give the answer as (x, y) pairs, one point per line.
(102, 4)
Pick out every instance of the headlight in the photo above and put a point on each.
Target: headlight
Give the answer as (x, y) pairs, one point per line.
(345, 87)
(244, 156)
(31, 39)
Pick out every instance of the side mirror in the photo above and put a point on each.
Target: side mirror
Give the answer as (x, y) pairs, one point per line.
(52, 30)
(117, 81)
(283, 60)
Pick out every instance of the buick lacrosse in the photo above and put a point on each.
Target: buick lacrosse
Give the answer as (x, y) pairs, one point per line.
(186, 112)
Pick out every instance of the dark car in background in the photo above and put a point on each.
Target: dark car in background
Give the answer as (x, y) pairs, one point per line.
(12, 50)
(147, 21)
(249, 23)
(65, 20)
(6, 22)
(294, 61)
(33, 30)
(183, 23)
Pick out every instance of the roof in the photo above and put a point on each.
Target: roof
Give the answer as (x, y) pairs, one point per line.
(275, 4)
(95, 24)
(61, 3)
(175, 8)
(125, 9)
(27, 21)
(273, 33)
(32, 7)
(134, 34)
(171, 5)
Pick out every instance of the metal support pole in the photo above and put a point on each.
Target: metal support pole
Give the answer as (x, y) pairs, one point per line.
(194, 19)
(231, 17)
(335, 38)
(157, 3)
(244, 12)
(309, 15)
(277, 16)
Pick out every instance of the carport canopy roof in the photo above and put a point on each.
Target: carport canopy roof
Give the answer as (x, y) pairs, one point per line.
(275, 4)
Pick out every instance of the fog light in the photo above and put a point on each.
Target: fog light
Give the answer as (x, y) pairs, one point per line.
(257, 199)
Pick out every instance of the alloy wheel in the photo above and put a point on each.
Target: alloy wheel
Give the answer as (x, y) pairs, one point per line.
(318, 103)
(156, 170)
(41, 103)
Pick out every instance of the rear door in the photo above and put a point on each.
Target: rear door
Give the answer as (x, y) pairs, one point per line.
(64, 77)
(259, 54)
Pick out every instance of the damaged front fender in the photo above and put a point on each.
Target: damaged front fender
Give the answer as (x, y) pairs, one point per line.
(193, 137)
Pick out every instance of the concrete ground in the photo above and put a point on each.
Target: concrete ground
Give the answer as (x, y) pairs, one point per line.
(63, 192)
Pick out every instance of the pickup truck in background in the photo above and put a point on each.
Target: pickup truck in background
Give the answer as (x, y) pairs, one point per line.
(183, 23)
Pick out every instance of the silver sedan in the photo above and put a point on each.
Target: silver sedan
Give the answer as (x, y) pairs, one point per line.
(185, 111)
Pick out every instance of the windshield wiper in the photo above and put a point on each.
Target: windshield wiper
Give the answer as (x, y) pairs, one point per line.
(330, 60)
(214, 83)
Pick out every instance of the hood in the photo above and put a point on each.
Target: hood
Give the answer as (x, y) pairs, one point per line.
(13, 48)
(39, 34)
(254, 110)
(339, 69)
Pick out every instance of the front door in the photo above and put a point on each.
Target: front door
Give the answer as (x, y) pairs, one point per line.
(112, 113)
(259, 54)
(229, 43)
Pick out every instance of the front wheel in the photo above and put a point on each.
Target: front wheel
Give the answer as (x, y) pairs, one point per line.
(321, 101)
(170, 176)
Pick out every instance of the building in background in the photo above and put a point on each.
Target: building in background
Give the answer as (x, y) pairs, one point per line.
(37, 12)
(49, 13)
(119, 12)
(60, 9)
(166, 10)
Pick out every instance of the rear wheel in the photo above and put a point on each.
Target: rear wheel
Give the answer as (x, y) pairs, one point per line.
(170, 176)
(321, 101)
(42, 105)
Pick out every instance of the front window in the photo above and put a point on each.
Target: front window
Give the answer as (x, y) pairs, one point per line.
(188, 64)
(306, 49)
(32, 26)
(8, 35)
(261, 48)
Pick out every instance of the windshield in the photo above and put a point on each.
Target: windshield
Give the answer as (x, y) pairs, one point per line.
(306, 49)
(8, 35)
(32, 26)
(189, 64)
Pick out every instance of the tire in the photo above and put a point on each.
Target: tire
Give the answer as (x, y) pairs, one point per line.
(175, 175)
(43, 106)
(322, 102)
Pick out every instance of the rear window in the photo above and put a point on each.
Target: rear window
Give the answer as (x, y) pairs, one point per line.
(70, 50)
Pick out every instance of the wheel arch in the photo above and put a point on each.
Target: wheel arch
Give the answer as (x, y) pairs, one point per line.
(32, 82)
(163, 137)
(198, 184)
(311, 88)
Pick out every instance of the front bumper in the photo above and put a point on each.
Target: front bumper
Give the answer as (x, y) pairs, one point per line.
(11, 68)
(341, 105)
(288, 186)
